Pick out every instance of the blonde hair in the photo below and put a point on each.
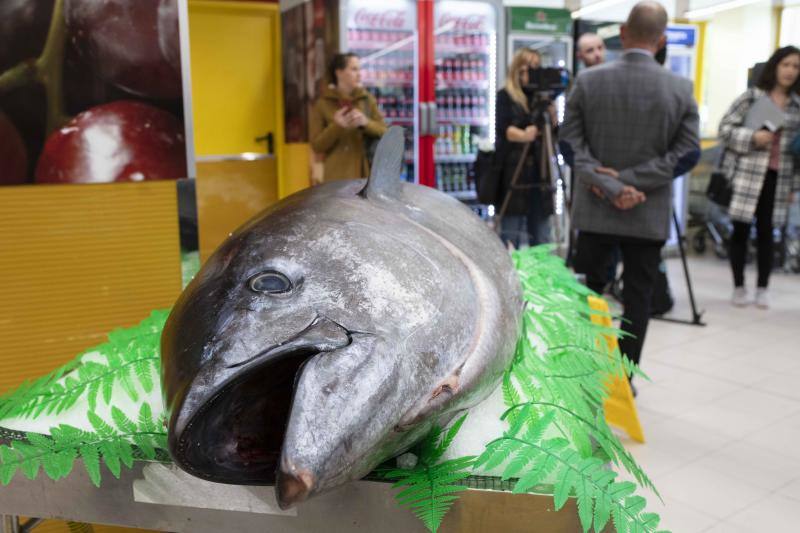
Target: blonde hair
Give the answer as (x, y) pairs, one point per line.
(521, 60)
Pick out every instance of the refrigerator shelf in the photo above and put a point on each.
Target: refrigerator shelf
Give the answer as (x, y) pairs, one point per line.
(460, 49)
(463, 195)
(464, 121)
(454, 158)
(382, 84)
(442, 84)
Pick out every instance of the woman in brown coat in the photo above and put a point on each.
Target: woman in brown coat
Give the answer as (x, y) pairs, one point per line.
(344, 120)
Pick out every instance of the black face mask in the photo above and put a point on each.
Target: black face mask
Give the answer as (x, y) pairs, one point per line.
(661, 56)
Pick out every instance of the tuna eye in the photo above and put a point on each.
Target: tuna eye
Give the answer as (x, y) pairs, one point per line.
(270, 283)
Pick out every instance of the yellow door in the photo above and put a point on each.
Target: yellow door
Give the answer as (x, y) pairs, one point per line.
(237, 112)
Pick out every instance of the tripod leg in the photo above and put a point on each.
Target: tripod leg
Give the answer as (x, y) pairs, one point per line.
(696, 319)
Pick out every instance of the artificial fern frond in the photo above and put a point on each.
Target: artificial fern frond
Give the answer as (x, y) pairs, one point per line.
(430, 488)
(114, 445)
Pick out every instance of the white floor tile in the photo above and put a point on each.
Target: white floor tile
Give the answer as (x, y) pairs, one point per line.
(780, 437)
(774, 514)
(753, 464)
(679, 517)
(791, 490)
(712, 492)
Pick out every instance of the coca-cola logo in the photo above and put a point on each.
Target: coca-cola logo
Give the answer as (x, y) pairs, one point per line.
(465, 23)
(393, 19)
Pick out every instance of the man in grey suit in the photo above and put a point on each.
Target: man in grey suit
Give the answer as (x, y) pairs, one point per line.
(628, 123)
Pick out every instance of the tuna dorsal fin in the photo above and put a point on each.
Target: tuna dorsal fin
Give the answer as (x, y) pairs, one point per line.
(387, 165)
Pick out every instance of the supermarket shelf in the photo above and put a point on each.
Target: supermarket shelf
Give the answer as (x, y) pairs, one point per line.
(462, 84)
(468, 121)
(460, 49)
(399, 120)
(368, 82)
(463, 195)
(455, 158)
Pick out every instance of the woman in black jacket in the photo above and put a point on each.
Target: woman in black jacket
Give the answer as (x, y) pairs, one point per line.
(525, 220)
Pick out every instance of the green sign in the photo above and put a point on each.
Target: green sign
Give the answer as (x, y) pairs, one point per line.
(540, 20)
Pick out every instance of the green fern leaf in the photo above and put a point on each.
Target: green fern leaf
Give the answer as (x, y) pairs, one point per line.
(40, 441)
(110, 453)
(563, 487)
(9, 463)
(146, 423)
(92, 393)
(126, 380)
(125, 453)
(145, 445)
(100, 426)
(583, 493)
(91, 461)
(123, 423)
(144, 373)
(108, 388)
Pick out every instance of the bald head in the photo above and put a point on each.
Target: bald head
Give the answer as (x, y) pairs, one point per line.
(645, 26)
(591, 49)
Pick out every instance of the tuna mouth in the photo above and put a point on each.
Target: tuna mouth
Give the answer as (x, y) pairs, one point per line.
(236, 436)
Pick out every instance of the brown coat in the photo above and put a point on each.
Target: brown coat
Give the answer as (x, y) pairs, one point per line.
(344, 149)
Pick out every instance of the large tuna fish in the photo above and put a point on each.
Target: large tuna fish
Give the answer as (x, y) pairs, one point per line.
(331, 331)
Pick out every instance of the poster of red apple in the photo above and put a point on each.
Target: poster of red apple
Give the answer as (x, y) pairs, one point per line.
(90, 91)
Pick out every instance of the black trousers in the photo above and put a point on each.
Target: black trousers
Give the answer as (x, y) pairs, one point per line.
(741, 233)
(640, 260)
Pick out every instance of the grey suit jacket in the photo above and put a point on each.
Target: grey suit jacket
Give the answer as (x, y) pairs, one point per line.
(638, 118)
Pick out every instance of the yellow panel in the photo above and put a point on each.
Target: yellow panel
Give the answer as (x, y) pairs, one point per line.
(228, 194)
(297, 160)
(59, 526)
(235, 65)
(78, 261)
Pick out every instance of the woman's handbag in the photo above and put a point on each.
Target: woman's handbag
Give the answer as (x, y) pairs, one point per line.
(487, 170)
(720, 187)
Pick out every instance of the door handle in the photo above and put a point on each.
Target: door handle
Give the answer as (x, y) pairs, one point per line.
(270, 142)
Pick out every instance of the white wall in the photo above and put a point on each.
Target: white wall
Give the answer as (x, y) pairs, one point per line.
(735, 40)
(790, 26)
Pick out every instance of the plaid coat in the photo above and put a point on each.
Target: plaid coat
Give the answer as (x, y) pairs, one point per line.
(746, 166)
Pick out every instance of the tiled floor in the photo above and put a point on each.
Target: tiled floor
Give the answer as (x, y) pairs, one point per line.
(722, 413)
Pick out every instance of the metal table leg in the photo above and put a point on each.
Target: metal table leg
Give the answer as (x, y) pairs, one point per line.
(10, 524)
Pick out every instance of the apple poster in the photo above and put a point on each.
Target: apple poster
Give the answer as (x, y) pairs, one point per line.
(90, 92)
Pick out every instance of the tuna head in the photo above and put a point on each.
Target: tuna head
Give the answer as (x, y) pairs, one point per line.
(313, 344)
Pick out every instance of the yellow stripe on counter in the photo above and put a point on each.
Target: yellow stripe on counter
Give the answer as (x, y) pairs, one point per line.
(76, 262)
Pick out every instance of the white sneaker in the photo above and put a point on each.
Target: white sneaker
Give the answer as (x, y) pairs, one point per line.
(762, 298)
(739, 298)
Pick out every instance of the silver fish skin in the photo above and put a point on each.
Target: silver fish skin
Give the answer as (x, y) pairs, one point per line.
(333, 330)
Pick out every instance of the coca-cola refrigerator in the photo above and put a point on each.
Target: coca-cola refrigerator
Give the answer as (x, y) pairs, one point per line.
(433, 69)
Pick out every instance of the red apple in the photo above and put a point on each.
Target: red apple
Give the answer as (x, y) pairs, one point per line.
(133, 44)
(23, 29)
(13, 158)
(120, 141)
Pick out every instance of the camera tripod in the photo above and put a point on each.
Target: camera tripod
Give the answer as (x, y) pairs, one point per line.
(540, 114)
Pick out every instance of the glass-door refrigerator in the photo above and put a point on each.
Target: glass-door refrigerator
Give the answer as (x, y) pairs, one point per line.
(465, 38)
(384, 35)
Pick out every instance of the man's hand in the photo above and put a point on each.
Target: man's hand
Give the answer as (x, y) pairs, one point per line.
(762, 139)
(597, 191)
(628, 198)
(607, 171)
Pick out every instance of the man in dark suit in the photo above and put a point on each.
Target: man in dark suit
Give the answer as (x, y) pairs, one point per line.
(628, 122)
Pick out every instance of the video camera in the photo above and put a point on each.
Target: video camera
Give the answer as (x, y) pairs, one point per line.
(552, 81)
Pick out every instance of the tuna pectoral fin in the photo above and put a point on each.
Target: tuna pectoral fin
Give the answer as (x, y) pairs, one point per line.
(432, 402)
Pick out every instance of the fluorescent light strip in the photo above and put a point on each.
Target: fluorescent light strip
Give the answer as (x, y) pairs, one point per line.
(716, 8)
(597, 6)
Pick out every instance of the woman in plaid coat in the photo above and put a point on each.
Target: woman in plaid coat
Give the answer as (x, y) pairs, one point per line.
(763, 169)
